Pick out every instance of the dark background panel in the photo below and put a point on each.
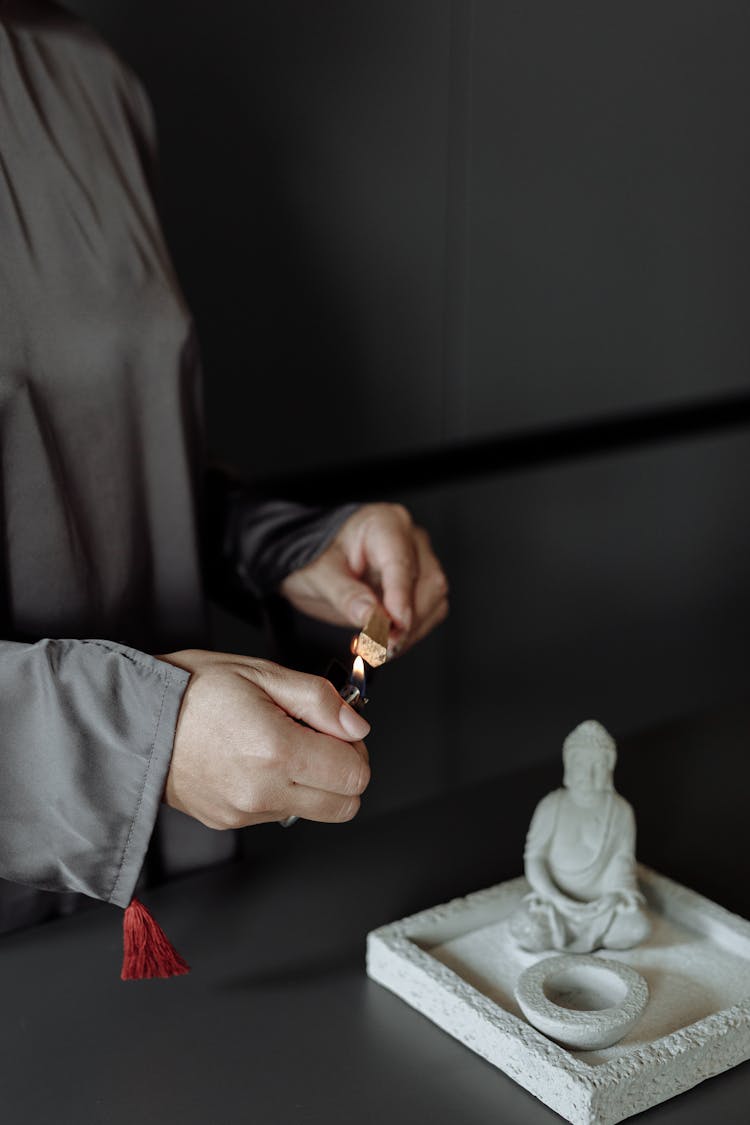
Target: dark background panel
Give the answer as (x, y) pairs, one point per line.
(303, 177)
(608, 248)
(418, 222)
(615, 588)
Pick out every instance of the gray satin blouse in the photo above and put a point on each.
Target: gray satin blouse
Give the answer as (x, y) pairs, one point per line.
(102, 502)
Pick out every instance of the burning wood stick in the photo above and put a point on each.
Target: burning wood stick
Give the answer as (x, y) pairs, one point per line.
(372, 642)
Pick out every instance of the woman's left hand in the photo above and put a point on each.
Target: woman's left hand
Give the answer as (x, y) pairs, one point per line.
(378, 558)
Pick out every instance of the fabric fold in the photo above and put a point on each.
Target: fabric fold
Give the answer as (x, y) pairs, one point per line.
(87, 732)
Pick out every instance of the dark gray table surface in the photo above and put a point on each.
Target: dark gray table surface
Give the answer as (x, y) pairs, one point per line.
(278, 1024)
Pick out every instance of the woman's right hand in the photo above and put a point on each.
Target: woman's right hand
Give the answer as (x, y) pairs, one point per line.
(240, 758)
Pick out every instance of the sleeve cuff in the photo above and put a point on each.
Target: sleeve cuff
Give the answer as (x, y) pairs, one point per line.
(270, 540)
(155, 771)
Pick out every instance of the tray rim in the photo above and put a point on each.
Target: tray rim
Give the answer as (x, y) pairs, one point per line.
(407, 940)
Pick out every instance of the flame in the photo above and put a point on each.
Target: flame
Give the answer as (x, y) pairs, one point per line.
(358, 672)
(353, 645)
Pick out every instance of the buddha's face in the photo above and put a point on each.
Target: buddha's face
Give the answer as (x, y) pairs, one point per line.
(588, 775)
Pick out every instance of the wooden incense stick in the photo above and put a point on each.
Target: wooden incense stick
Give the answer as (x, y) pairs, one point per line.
(372, 642)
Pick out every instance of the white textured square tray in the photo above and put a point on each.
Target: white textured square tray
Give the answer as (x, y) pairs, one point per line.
(457, 965)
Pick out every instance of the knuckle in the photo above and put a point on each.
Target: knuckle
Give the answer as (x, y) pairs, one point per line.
(347, 810)
(359, 778)
(320, 691)
(280, 753)
(227, 820)
(372, 513)
(440, 583)
(402, 563)
(407, 560)
(260, 672)
(402, 514)
(238, 819)
(388, 512)
(213, 822)
(279, 749)
(257, 798)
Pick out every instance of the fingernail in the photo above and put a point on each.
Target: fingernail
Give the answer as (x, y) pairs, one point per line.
(361, 610)
(354, 725)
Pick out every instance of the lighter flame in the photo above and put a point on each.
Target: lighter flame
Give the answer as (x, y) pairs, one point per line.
(358, 670)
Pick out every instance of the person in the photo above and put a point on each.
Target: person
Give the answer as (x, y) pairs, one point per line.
(580, 858)
(113, 530)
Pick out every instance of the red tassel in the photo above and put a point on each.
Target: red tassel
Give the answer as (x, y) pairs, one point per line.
(147, 951)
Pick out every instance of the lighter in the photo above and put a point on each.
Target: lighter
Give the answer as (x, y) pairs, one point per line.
(353, 693)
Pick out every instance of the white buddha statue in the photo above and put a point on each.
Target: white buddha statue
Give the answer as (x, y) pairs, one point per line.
(580, 858)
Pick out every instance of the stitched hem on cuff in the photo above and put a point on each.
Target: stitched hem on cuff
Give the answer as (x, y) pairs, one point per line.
(154, 778)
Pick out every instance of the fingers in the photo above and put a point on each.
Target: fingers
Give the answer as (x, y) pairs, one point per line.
(390, 551)
(327, 754)
(431, 591)
(379, 557)
(239, 758)
(436, 617)
(320, 762)
(311, 699)
(296, 800)
(353, 598)
(432, 585)
(415, 589)
(325, 779)
(326, 808)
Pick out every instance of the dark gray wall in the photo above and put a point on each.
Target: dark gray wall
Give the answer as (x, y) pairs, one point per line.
(303, 177)
(423, 220)
(608, 246)
(411, 224)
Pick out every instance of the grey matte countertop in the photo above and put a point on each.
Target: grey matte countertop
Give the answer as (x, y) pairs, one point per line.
(278, 1024)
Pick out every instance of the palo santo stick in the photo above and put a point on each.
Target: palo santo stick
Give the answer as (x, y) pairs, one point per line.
(372, 642)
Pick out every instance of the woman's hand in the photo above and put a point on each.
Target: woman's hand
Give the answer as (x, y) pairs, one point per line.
(378, 558)
(239, 757)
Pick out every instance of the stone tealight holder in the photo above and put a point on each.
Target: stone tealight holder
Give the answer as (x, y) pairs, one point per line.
(584, 1002)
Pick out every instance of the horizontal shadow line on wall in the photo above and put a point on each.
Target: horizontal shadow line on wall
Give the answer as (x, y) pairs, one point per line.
(377, 477)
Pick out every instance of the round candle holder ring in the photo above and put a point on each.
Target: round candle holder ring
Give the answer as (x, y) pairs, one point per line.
(585, 1002)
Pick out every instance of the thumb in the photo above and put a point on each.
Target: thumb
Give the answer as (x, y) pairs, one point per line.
(311, 699)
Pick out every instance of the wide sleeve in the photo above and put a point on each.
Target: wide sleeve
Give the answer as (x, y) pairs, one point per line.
(87, 734)
(252, 543)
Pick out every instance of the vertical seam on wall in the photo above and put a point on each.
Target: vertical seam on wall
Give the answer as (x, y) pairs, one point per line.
(455, 317)
(457, 218)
